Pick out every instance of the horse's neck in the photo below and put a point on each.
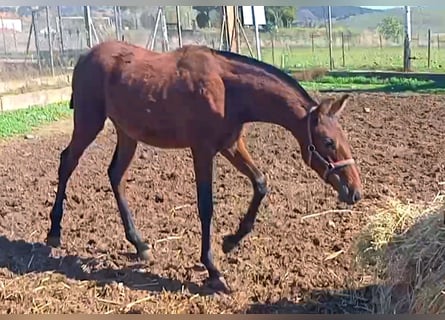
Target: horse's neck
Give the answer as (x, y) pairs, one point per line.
(264, 99)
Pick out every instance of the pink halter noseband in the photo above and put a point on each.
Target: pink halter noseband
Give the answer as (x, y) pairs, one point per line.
(330, 166)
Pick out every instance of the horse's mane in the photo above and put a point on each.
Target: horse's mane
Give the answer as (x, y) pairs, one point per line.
(286, 78)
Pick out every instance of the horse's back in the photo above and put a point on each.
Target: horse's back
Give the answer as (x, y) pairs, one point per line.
(159, 98)
(109, 58)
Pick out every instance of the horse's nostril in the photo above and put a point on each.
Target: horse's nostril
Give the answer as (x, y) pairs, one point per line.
(356, 196)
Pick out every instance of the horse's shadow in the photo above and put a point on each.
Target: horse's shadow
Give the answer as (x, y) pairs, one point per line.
(352, 301)
(21, 257)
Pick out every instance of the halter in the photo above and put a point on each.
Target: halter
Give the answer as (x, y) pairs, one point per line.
(330, 166)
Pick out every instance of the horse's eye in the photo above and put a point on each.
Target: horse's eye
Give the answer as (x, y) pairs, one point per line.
(329, 143)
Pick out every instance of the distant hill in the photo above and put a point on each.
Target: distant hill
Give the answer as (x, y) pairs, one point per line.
(338, 12)
(422, 19)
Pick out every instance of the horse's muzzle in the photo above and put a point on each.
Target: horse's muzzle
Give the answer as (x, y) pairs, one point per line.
(348, 195)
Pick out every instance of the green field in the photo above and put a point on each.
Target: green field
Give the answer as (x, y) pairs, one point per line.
(374, 84)
(389, 58)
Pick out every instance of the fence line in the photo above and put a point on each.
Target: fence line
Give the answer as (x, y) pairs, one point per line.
(288, 48)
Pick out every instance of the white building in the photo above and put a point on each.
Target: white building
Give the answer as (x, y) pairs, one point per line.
(11, 22)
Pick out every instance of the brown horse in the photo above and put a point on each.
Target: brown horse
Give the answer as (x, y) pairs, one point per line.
(197, 98)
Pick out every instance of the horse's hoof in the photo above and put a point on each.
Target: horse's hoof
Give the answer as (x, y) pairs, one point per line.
(53, 241)
(219, 285)
(146, 254)
(229, 243)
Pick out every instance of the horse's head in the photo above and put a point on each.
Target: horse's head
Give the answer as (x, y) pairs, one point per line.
(327, 150)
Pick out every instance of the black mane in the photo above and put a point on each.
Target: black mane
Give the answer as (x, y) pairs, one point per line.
(269, 68)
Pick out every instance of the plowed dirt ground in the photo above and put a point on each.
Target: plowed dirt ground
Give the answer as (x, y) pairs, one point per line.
(281, 267)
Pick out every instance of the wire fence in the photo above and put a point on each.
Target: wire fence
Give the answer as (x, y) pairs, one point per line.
(47, 42)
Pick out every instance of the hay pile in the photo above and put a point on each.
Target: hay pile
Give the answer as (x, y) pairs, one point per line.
(404, 247)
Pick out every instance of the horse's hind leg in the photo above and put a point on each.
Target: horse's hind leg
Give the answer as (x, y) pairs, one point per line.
(241, 159)
(122, 157)
(86, 129)
(203, 167)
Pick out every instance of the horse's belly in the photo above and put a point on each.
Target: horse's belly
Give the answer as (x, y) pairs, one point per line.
(159, 135)
(164, 137)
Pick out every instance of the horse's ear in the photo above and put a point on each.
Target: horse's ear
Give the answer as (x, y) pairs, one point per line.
(325, 105)
(338, 105)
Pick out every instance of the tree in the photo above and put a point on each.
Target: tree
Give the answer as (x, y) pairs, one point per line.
(390, 28)
(206, 9)
(203, 17)
(288, 16)
(280, 16)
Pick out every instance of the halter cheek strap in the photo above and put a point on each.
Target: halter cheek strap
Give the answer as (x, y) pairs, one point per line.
(331, 167)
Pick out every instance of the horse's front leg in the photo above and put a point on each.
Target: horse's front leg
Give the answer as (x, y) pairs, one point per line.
(240, 158)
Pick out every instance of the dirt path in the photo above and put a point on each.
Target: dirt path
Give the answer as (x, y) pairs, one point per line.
(397, 145)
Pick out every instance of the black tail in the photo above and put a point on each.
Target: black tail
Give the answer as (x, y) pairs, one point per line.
(71, 102)
(82, 57)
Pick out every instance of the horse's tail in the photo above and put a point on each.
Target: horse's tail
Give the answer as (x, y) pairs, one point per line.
(81, 58)
(71, 101)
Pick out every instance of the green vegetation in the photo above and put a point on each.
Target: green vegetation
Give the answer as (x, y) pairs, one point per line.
(356, 58)
(203, 17)
(280, 16)
(24, 120)
(391, 28)
(373, 84)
